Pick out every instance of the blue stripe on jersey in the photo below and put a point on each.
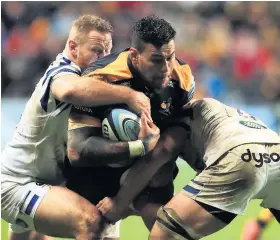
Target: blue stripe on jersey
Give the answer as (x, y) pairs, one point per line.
(31, 204)
(68, 70)
(52, 70)
(66, 60)
(44, 99)
(191, 189)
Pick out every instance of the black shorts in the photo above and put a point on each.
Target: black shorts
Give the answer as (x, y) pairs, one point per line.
(95, 183)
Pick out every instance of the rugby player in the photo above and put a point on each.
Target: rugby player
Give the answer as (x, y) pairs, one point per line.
(148, 66)
(32, 197)
(236, 157)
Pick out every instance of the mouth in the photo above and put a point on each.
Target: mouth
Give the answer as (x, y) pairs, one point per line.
(161, 78)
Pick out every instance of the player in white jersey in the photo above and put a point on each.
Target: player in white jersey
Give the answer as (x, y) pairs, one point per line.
(32, 195)
(236, 158)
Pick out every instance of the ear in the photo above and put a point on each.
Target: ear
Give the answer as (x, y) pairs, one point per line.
(134, 54)
(73, 47)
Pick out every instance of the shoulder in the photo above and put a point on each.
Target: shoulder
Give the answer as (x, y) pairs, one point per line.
(183, 74)
(112, 67)
(59, 67)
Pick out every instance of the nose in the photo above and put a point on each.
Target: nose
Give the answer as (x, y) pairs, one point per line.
(166, 68)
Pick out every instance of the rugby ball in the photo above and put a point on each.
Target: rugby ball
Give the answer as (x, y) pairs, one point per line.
(121, 125)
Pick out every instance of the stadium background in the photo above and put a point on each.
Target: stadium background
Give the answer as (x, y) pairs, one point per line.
(232, 47)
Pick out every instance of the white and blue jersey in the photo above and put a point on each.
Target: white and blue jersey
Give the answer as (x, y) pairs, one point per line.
(38, 146)
(216, 128)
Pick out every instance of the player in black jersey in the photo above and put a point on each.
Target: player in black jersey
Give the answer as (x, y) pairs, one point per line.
(148, 66)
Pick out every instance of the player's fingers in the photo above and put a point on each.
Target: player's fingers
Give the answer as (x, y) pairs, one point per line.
(144, 122)
(155, 128)
(98, 205)
(152, 125)
(146, 104)
(101, 204)
(147, 115)
(101, 209)
(146, 111)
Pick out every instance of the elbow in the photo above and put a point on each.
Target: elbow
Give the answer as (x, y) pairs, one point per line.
(164, 151)
(65, 94)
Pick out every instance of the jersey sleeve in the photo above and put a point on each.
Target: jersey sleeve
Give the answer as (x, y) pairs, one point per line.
(62, 67)
(55, 70)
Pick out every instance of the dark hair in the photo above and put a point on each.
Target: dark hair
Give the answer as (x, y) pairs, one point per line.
(151, 29)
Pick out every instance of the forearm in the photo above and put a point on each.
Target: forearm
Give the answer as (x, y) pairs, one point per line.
(97, 151)
(144, 169)
(90, 92)
(138, 178)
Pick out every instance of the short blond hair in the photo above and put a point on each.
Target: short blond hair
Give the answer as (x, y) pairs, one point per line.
(86, 23)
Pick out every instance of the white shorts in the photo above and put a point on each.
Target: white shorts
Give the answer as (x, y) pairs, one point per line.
(19, 203)
(110, 231)
(230, 183)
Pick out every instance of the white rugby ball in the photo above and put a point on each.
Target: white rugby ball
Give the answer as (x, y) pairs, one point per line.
(121, 125)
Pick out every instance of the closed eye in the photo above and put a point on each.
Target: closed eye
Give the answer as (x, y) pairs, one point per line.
(98, 50)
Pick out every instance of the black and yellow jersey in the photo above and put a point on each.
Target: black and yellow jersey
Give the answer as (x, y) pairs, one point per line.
(117, 68)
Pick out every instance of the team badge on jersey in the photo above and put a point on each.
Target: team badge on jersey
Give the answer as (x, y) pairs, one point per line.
(166, 107)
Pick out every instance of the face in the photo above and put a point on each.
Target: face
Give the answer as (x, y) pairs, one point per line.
(95, 46)
(155, 64)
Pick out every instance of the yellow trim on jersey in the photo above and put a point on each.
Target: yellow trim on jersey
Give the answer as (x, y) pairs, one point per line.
(117, 69)
(81, 120)
(183, 74)
(114, 71)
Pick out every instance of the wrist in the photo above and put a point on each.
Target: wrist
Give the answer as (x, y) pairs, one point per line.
(136, 148)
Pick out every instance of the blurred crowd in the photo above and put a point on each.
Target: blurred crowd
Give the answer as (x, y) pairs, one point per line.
(232, 47)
